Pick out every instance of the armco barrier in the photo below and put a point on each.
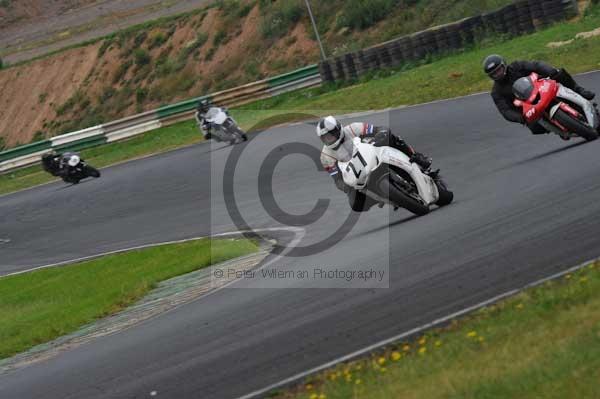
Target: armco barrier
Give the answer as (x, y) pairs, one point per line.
(515, 19)
(137, 124)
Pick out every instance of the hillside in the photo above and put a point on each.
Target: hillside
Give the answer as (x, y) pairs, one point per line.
(222, 46)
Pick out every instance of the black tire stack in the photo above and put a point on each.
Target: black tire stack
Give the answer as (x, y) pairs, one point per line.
(519, 18)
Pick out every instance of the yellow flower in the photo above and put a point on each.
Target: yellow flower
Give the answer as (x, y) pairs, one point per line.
(422, 350)
(332, 376)
(309, 387)
(438, 343)
(383, 369)
(381, 361)
(406, 348)
(396, 356)
(472, 334)
(322, 396)
(314, 396)
(519, 306)
(422, 341)
(583, 279)
(358, 382)
(348, 378)
(358, 367)
(481, 339)
(568, 277)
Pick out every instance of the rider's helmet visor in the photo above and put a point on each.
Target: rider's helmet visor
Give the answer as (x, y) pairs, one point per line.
(499, 72)
(330, 137)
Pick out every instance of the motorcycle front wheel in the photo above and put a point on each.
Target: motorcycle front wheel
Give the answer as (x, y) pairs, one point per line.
(400, 198)
(575, 126)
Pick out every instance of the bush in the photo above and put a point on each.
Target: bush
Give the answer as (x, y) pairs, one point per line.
(220, 37)
(38, 136)
(121, 71)
(141, 94)
(362, 14)
(280, 17)
(1, 63)
(140, 38)
(157, 40)
(141, 57)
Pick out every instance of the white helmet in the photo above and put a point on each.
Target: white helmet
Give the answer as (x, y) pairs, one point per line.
(329, 131)
(74, 160)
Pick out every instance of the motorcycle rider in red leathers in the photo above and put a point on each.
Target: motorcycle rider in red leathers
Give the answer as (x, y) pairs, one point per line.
(338, 146)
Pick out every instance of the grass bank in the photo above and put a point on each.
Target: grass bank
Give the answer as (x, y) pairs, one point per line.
(451, 76)
(42, 305)
(542, 343)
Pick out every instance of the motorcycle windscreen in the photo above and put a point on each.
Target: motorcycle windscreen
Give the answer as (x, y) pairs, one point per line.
(523, 88)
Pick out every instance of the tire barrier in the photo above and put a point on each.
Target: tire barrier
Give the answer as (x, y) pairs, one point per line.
(520, 18)
(131, 126)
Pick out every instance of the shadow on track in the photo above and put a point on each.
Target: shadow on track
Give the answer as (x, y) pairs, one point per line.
(544, 155)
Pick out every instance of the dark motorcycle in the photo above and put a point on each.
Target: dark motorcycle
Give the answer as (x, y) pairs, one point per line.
(69, 167)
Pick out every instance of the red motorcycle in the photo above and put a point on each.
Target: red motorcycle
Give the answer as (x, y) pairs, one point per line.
(557, 108)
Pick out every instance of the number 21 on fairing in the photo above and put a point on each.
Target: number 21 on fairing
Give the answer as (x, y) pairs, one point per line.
(357, 172)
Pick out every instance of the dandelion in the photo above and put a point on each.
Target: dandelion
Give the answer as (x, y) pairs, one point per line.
(583, 279)
(358, 367)
(314, 396)
(332, 376)
(396, 356)
(348, 378)
(519, 306)
(309, 387)
(406, 348)
(358, 381)
(568, 277)
(322, 396)
(480, 339)
(471, 334)
(438, 343)
(383, 369)
(381, 361)
(422, 341)
(422, 350)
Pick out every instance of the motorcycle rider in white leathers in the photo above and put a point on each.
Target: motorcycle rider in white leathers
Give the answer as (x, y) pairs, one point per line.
(203, 107)
(338, 146)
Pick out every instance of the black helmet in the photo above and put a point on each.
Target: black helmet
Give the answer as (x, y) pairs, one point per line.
(495, 67)
(203, 106)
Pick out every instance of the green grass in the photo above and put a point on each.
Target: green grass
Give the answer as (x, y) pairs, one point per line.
(164, 139)
(451, 76)
(39, 306)
(542, 343)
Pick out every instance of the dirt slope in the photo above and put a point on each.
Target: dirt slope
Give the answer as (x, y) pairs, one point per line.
(213, 48)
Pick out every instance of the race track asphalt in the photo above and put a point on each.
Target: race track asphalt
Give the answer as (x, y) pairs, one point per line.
(526, 207)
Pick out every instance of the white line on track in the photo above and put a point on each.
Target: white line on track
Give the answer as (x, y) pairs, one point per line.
(298, 234)
(416, 330)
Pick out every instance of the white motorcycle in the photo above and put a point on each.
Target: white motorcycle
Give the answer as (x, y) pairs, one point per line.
(223, 127)
(387, 175)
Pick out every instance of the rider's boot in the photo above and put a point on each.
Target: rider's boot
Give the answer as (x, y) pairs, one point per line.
(423, 161)
(588, 95)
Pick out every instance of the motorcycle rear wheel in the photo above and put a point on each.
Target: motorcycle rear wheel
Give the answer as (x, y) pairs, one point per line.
(401, 199)
(575, 126)
(92, 172)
